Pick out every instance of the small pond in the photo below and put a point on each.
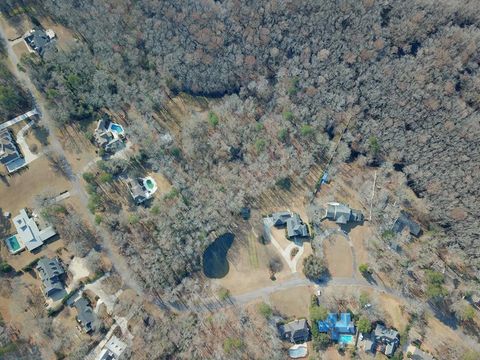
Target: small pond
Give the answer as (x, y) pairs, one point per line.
(215, 263)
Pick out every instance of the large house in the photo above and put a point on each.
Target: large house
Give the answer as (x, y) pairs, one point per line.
(386, 340)
(142, 189)
(406, 221)
(85, 315)
(28, 233)
(339, 326)
(296, 331)
(38, 40)
(342, 214)
(113, 350)
(108, 135)
(51, 274)
(10, 155)
(296, 228)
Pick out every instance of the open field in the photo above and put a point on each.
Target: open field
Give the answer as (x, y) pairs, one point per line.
(246, 275)
(292, 303)
(338, 255)
(20, 49)
(360, 237)
(19, 190)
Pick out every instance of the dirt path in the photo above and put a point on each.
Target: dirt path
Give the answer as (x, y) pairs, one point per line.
(119, 262)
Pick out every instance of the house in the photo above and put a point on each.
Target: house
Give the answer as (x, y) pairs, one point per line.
(38, 40)
(386, 340)
(296, 331)
(51, 273)
(142, 189)
(10, 156)
(280, 218)
(417, 354)
(28, 232)
(85, 315)
(296, 228)
(337, 325)
(108, 135)
(406, 221)
(113, 349)
(342, 214)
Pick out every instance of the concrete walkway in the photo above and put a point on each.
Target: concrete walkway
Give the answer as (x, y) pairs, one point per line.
(27, 153)
(19, 118)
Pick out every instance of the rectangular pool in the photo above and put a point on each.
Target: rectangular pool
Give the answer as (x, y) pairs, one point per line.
(13, 245)
(346, 339)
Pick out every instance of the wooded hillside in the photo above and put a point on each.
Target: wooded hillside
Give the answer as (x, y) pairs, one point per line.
(406, 74)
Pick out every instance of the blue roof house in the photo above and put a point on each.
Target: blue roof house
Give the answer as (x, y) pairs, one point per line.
(336, 325)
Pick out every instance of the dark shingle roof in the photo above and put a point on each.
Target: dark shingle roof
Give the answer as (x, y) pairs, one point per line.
(85, 315)
(50, 272)
(38, 40)
(405, 220)
(294, 331)
(296, 227)
(8, 149)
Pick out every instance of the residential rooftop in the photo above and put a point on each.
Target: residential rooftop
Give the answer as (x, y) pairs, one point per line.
(113, 349)
(85, 315)
(336, 324)
(38, 40)
(406, 221)
(51, 271)
(10, 155)
(28, 232)
(295, 331)
(342, 214)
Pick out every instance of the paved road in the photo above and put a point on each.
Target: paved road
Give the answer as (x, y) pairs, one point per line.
(111, 250)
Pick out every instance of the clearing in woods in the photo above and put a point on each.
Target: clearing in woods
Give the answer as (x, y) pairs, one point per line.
(338, 255)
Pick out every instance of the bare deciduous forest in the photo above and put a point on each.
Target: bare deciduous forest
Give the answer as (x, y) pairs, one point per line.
(288, 76)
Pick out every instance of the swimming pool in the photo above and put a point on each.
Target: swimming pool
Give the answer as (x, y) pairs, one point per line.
(298, 351)
(149, 184)
(116, 128)
(345, 339)
(13, 245)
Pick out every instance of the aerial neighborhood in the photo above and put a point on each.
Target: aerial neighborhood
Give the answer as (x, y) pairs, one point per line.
(239, 180)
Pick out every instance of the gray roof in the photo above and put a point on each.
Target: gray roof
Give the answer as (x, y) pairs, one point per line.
(137, 190)
(85, 315)
(390, 349)
(50, 272)
(342, 214)
(280, 218)
(296, 227)
(38, 40)
(385, 335)
(8, 148)
(369, 345)
(295, 331)
(406, 221)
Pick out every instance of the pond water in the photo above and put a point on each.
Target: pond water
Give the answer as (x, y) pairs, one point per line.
(215, 263)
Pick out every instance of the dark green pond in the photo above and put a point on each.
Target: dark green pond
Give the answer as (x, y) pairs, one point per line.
(215, 263)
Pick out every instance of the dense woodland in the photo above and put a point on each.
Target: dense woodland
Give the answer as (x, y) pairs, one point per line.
(13, 99)
(289, 77)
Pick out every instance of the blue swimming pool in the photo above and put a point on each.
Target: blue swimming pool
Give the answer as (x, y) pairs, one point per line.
(116, 128)
(345, 339)
(12, 244)
(297, 352)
